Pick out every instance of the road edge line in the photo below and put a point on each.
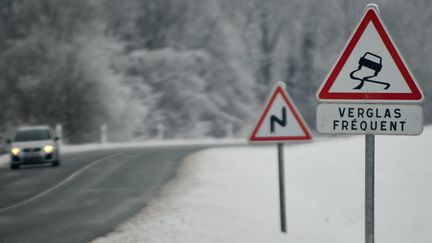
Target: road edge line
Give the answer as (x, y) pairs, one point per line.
(69, 178)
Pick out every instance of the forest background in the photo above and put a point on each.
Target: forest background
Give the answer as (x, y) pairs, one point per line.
(188, 69)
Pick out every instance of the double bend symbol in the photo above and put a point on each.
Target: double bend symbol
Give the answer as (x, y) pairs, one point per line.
(274, 119)
(371, 61)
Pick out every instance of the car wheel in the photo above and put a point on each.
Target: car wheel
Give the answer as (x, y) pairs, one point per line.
(14, 167)
(56, 163)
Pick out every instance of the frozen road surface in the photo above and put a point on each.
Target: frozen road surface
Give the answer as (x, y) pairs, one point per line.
(86, 197)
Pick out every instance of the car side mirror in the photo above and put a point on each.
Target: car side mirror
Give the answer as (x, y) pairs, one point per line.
(57, 138)
(8, 141)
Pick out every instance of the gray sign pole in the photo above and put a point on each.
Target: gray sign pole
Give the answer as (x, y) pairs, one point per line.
(370, 189)
(282, 187)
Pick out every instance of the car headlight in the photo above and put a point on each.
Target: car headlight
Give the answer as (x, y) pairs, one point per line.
(48, 149)
(15, 150)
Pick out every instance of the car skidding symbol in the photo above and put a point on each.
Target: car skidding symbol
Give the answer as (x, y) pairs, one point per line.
(371, 61)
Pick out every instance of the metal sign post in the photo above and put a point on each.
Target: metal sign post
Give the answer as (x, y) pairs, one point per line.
(280, 122)
(281, 187)
(370, 189)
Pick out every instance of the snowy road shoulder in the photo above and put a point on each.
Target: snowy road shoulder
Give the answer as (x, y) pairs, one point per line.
(230, 195)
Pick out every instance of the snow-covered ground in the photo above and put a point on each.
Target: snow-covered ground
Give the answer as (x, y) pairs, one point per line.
(231, 195)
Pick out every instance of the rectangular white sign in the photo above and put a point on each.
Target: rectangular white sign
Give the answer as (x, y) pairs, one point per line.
(373, 119)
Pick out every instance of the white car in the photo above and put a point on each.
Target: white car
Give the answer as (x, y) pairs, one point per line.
(34, 145)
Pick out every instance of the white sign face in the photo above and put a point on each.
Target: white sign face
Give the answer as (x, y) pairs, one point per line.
(370, 68)
(372, 119)
(280, 120)
(370, 58)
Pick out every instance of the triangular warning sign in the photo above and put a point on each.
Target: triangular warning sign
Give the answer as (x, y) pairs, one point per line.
(370, 68)
(280, 120)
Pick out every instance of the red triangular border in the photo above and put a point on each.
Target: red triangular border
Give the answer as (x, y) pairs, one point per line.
(279, 90)
(370, 16)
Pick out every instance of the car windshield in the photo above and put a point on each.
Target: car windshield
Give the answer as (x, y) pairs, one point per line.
(32, 135)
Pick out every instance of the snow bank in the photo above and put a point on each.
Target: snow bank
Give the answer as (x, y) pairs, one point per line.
(231, 195)
(152, 143)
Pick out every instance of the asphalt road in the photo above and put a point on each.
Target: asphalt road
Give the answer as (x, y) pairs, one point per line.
(84, 198)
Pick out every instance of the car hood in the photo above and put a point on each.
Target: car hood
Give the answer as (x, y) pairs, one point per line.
(32, 144)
